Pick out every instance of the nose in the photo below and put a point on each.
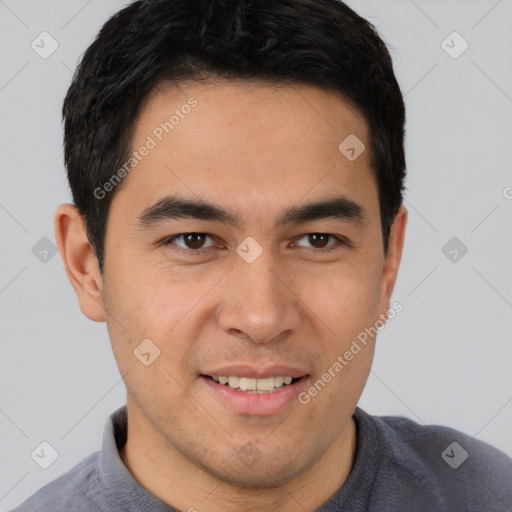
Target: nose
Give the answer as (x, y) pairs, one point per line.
(259, 302)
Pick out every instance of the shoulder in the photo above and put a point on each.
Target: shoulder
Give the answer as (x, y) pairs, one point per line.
(74, 491)
(461, 472)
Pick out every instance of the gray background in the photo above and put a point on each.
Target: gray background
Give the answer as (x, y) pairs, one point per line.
(445, 359)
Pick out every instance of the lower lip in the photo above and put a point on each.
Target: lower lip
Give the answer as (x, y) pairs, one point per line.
(257, 403)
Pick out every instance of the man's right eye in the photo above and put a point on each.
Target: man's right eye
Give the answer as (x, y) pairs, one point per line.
(189, 242)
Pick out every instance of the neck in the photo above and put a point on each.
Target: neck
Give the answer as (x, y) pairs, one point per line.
(170, 476)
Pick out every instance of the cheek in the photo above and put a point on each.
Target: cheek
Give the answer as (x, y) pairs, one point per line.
(165, 310)
(151, 301)
(346, 299)
(147, 349)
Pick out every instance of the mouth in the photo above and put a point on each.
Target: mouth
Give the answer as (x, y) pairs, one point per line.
(254, 385)
(255, 396)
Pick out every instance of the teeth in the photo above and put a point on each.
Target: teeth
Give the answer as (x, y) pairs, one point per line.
(233, 382)
(246, 384)
(265, 384)
(253, 385)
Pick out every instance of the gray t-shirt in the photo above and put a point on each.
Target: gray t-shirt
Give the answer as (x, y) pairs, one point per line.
(400, 466)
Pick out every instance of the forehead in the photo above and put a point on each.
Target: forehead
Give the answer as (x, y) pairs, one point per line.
(246, 143)
(281, 115)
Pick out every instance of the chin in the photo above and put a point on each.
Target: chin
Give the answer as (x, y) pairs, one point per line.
(257, 474)
(249, 479)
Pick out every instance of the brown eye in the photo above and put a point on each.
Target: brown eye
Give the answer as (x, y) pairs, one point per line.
(320, 241)
(190, 241)
(194, 240)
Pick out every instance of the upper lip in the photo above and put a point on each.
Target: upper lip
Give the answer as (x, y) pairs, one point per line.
(257, 372)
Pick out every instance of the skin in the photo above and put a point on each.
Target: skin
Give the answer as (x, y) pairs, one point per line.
(257, 150)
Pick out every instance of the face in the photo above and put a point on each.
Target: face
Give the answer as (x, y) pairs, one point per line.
(253, 283)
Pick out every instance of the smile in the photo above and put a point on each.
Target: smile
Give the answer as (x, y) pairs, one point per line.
(250, 385)
(265, 396)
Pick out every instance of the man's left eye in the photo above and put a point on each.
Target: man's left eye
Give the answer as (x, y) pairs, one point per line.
(320, 240)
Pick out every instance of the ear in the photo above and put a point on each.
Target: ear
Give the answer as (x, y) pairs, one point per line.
(392, 260)
(79, 260)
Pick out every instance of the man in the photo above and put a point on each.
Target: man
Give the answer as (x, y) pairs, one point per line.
(237, 171)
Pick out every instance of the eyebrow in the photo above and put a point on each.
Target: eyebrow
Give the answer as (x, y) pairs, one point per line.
(176, 207)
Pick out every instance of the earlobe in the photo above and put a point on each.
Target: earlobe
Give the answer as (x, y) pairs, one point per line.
(79, 260)
(393, 258)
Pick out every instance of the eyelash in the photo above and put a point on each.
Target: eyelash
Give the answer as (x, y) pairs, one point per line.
(193, 252)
